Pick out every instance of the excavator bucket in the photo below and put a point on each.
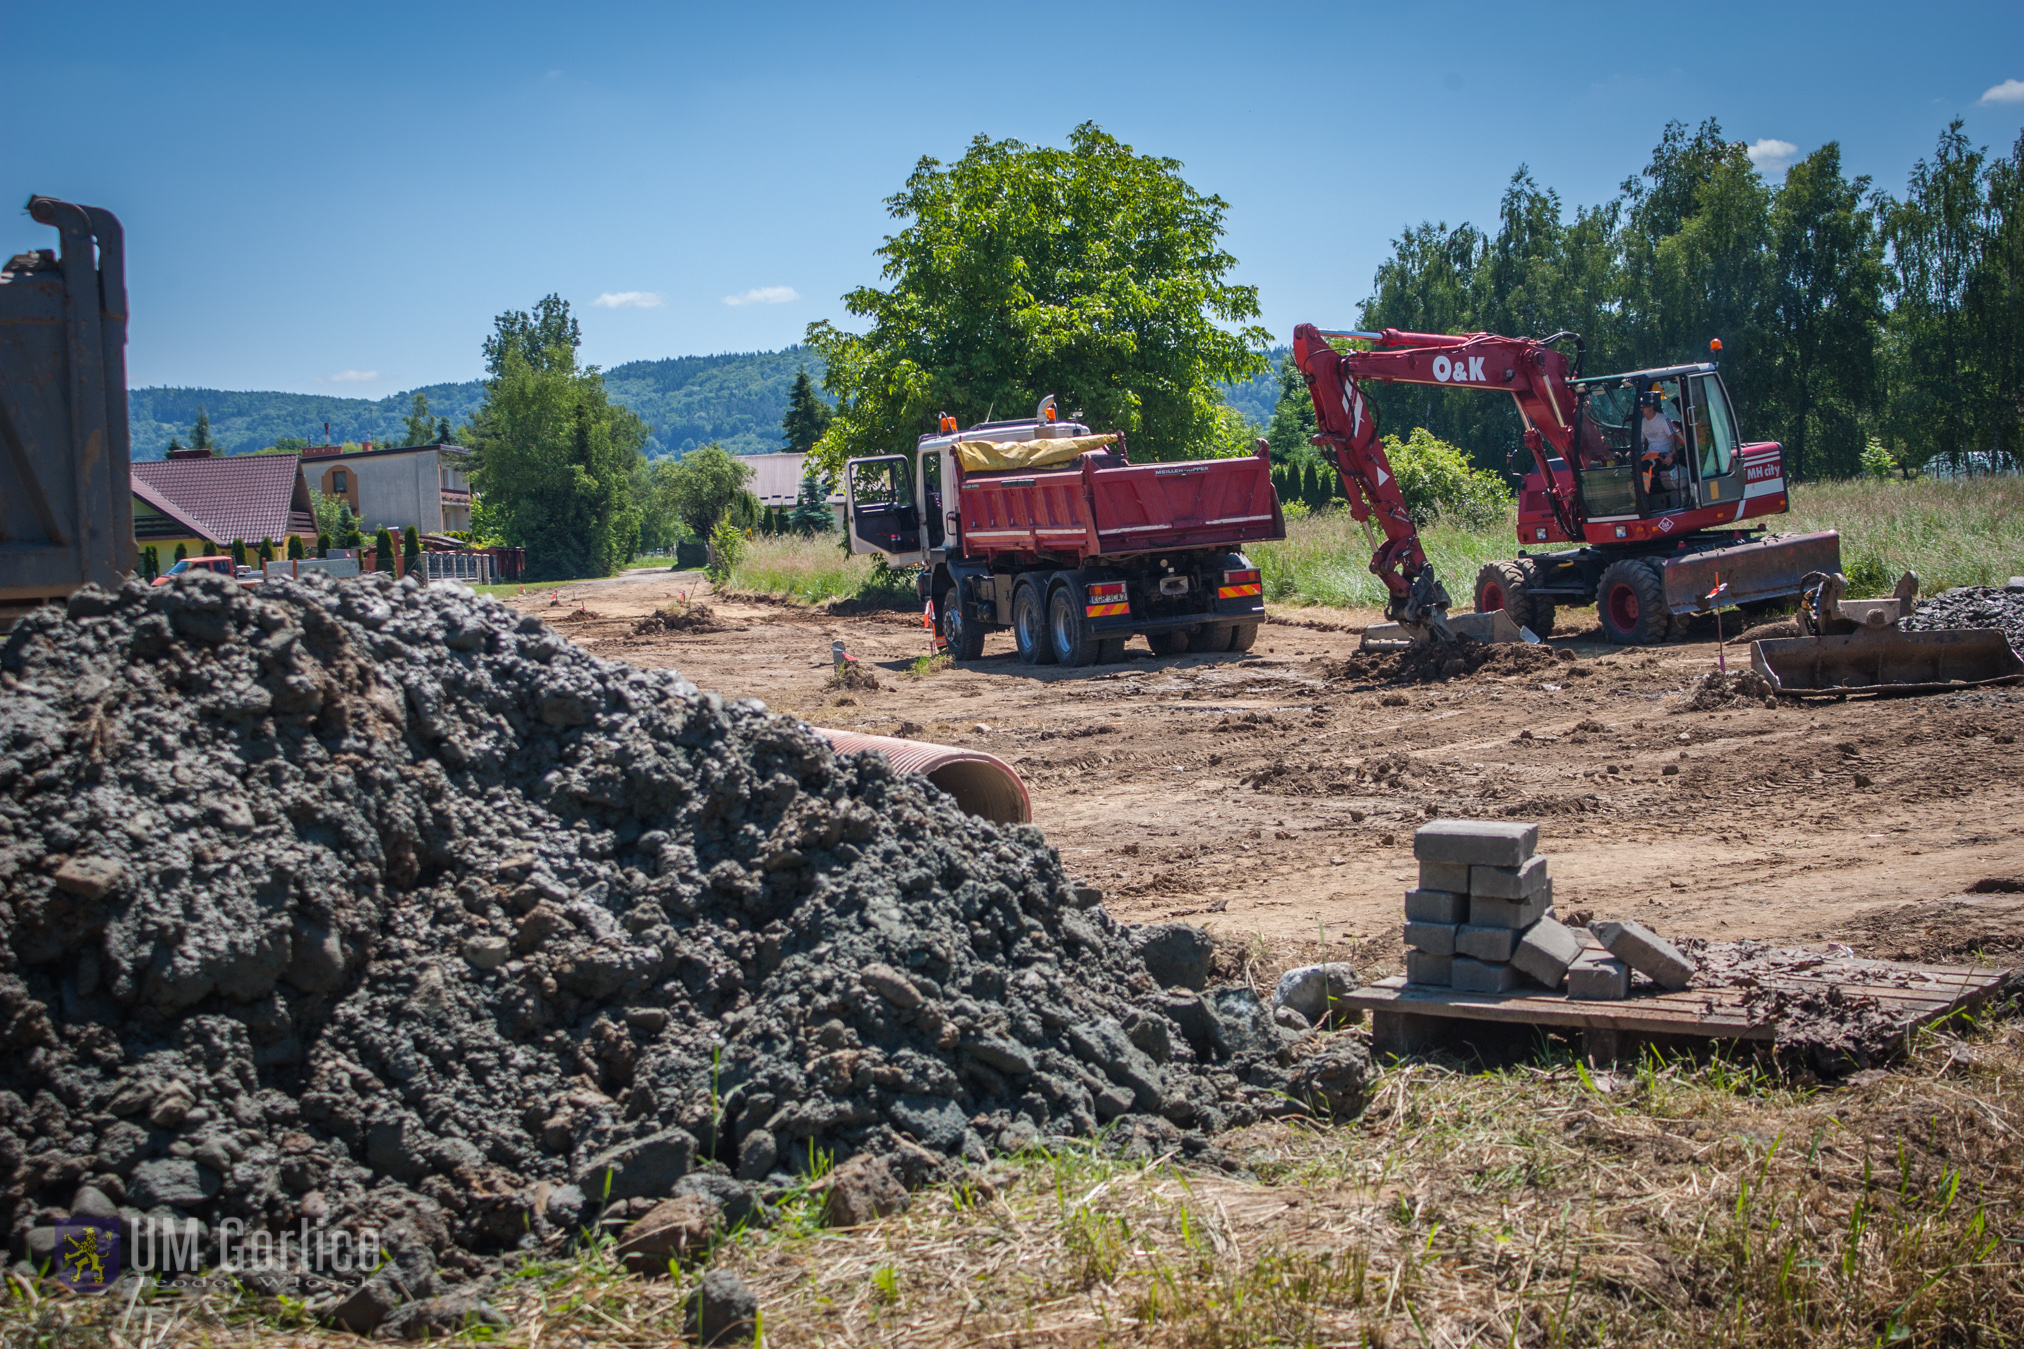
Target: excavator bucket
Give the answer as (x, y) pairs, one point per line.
(1887, 661)
(1856, 646)
(1495, 626)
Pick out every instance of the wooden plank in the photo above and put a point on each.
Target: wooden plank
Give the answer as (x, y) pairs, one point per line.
(1720, 1013)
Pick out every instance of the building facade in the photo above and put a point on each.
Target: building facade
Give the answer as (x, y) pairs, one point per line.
(426, 486)
(203, 501)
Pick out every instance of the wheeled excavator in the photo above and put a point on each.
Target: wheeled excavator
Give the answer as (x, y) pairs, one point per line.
(1648, 534)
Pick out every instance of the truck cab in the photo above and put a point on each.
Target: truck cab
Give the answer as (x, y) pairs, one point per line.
(905, 505)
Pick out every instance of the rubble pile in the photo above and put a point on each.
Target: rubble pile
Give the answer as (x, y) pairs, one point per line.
(1999, 607)
(378, 904)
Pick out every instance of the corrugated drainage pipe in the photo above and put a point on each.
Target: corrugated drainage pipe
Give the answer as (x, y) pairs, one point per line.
(983, 784)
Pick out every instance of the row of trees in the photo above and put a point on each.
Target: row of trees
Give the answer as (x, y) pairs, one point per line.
(1845, 314)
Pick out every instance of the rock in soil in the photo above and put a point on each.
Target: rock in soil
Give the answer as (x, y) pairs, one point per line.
(403, 912)
(862, 1190)
(722, 1310)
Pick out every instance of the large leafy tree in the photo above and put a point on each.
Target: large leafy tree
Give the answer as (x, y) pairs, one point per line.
(1093, 273)
(421, 426)
(704, 485)
(555, 456)
(1826, 303)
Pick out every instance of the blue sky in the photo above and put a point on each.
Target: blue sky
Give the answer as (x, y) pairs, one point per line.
(338, 198)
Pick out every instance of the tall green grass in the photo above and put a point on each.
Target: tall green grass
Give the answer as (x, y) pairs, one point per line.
(1951, 532)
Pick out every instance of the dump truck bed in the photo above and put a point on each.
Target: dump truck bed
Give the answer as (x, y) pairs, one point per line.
(1087, 510)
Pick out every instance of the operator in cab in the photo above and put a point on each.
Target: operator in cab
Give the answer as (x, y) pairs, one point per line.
(1662, 441)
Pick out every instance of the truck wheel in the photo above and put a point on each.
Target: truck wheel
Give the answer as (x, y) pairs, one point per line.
(1210, 637)
(1067, 634)
(965, 638)
(1508, 586)
(1110, 651)
(1243, 637)
(1029, 627)
(1631, 602)
(1169, 643)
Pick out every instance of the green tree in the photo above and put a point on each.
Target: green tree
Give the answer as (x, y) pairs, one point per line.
(1436, 480)
(555, 456)
(811, 514)
(421, 425)
(383, 550)
(443, 436)
(411, 546)
(238, 551)
(1092, 273)
(295, 547)
(266, 551)
(1293, 427)
(807, 415)
(151, 563)
(323, 544)
(704, 485)
(200, 434)
(182, 552)
(1827, 307)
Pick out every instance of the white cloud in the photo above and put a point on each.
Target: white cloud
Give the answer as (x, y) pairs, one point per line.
(1771, 154)
(765, 295)
(349, 377)
(628, 299)
(2009, 91)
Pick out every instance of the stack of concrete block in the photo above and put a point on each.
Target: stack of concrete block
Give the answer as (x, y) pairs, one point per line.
(1482, 919)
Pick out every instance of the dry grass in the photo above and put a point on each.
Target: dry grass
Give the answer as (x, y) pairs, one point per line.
(1542, 1204)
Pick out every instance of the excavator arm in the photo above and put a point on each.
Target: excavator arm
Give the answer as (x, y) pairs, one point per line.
(1532, 372)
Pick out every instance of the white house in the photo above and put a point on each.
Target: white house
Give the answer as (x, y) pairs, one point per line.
(421, 485)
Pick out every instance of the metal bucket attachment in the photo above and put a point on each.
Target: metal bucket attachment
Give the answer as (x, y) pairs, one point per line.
(1769, 570)
(1495, 626)
(1887, 661)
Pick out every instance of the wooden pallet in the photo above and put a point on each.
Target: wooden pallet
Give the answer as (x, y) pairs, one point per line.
(1411, 1018)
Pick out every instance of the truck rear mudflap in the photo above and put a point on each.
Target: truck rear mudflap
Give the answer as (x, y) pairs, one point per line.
(1767, 570)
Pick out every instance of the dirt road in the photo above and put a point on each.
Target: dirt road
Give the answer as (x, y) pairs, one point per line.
(1273, 795)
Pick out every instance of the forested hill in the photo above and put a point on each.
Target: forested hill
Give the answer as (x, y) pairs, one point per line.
(734, 400)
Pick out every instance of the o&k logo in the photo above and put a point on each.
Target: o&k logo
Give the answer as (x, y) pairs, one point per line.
(1468, 370)
(87, 1254)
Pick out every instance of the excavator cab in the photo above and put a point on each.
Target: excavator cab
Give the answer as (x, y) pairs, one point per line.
(1618, 481)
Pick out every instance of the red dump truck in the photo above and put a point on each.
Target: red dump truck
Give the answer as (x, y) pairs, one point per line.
(1044, 528)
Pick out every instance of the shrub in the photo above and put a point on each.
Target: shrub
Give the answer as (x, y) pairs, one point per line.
(1436, 480)
(238, 552)
(411, 545)
(295, 547)
(151, 563)
(727, 544)
(383, 550)
(266, 551)
(323, 544)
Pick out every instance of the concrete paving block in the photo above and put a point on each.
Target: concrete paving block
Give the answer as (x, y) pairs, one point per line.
(1436, 906)
(1482, 976)
(1422, 968)
(1436, 939)
(1445, 876)
(1546, 950)
(1492, 843)
(1597, 976)
(1485, 943)
(1519, 882)
(1512, 913)
(1646, 952)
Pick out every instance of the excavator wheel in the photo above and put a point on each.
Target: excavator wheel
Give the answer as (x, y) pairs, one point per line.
(1508, 586)
(1631, 602)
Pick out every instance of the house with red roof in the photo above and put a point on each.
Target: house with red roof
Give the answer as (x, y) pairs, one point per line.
(204, 501)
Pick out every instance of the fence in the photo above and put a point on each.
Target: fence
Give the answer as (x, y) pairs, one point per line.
(477, 568)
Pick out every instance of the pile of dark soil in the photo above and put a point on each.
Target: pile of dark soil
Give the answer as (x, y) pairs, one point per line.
(856, 676)
(1714, 690)
(370, 904)
(681, 616)
(1972, 607)
(1431, 662)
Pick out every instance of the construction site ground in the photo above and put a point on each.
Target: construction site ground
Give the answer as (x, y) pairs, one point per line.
(1270, 797)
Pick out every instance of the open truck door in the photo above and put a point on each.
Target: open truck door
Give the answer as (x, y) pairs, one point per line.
(885, 516)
